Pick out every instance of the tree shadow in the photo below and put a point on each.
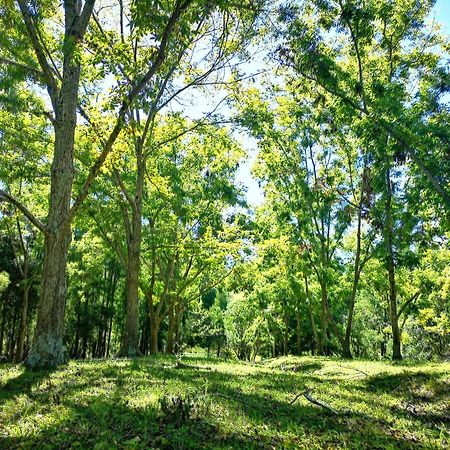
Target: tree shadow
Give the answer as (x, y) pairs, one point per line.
(392, 383)
(113, 404)
(24, 383)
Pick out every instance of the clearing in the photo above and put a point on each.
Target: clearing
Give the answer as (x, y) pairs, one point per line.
(206, 403)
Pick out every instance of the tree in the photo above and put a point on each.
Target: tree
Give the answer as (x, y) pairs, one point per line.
(61, 73)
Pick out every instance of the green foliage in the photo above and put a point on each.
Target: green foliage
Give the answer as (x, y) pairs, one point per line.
(4, 281)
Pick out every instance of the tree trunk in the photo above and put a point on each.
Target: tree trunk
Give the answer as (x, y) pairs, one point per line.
(286, 332)
(299, 328)
(2, 327)
(323, 338)
(130, 345)
(85, 331)
(154, 338)
(23, 322)
(178, 317)
(346, 350)
(130, 341)
(47, 349)
(171, 329)
(396, 337)
(316, 340)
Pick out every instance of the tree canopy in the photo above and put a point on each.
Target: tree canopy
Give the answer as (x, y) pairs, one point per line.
(125, 130)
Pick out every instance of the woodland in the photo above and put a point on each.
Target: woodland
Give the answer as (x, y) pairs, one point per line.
(224, 224)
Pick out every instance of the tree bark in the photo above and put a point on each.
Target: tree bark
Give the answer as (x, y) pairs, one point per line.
(23, 323)
(130, 339)
(48, 348)
(346, 350)
(323, 338)
(130, 345)
(299, 328)
(154, 338)
(316, 340)
(396, 337)
(171, 329)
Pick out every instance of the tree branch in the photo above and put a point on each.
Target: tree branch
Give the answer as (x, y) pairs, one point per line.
(4, 196)
(409, 301)
(50, 81)
(128, 100)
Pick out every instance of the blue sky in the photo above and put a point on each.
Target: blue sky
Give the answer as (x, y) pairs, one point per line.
(442, 9)
(254, 193)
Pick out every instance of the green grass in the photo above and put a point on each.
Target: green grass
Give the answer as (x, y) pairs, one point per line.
(117, 404)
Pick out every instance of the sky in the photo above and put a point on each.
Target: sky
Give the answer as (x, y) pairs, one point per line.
(442, 9)
(254, 194)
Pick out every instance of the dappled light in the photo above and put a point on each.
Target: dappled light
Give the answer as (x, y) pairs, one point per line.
(224, 224)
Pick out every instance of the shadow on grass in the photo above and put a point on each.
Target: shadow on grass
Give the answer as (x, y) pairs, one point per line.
(24, 383)
(407, 382)
(96, 408)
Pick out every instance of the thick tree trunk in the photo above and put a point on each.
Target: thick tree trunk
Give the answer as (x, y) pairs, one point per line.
(48, 349)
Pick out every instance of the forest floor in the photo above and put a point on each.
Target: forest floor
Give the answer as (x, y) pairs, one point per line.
(205, 403)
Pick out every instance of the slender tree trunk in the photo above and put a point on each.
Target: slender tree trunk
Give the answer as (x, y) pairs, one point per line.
(171, 329)
(285, 334)
(2, 328)
(346, 350)
(299, 329)
(321, 350)
(396, 337)
(316, 340)
(23, 322)
(85, 332)
(178, 317)
(108, 344)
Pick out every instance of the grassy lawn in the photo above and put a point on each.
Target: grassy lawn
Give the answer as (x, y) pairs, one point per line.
(151, 403)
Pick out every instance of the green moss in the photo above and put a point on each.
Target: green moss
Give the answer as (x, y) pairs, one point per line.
(117, 404)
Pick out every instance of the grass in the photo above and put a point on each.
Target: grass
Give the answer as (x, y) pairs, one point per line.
(150, 403)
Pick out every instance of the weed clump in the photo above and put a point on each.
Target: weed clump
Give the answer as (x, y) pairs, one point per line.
(180, 409)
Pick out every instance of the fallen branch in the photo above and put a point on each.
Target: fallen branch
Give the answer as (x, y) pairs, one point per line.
(356, 370)
(310, 398)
